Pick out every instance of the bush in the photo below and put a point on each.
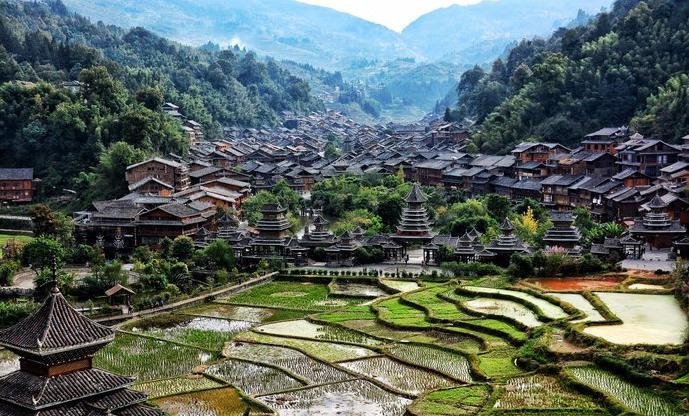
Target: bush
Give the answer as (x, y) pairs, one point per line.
(472, 269)
(7, 271)
(11, 312)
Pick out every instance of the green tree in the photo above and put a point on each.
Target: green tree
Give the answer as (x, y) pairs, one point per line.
(182, 248)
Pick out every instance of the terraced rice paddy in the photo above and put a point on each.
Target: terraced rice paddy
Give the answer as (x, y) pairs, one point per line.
(207, 333)
(253, 379)
(645, 286)
(326, 351)
(400, 285)
(216, 402)
(647, 319)
(401, 377)
(133, 355)
(357, 290)
(295, 295)
(582, 304)
(310, 370)
(351, 398)
(349, 357)
(550, 310)
(506, 308)
(465, 400)
(306, 329)
(173, 386)
(634, 398)
(540, 392)
(451, 364)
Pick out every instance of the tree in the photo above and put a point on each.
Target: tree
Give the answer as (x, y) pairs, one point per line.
(43, 253)
(218, 255)
(182, 248)
(109, 179)
(498, 206)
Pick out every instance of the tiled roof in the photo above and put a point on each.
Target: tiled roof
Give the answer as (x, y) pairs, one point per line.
(54, 327)
(16, 174)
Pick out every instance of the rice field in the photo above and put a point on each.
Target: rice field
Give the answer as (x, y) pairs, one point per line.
(295, 362)
(634, 398)
(306, 329)
(133, 355)
(295, 295)
(465, 400)
(541, 392)
(356, 290)
(233, 313)
(506, 308)
(397, 313)
(207, 333)
(399, 376)
(548, 309)
(326, 351)
(582, 304)
(451, 364)
(178, 385)
(216, 402)
(647, 319)
(253, 379)
(351, 398)
(400, 285)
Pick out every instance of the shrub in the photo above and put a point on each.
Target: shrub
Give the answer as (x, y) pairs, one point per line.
(7, 271)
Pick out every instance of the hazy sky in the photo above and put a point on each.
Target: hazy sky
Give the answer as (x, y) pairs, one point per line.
(395, 14)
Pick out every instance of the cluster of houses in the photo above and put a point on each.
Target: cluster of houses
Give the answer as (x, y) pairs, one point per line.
(615, 175)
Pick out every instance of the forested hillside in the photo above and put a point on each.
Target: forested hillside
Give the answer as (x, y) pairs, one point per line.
(116, 118)
(627, 66)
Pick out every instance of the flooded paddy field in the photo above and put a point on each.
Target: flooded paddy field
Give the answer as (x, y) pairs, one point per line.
(646, 319)
(292, 348)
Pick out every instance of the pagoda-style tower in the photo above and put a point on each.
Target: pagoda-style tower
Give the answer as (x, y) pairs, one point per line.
(656, 227)
(227, 227)
(56, 345)
(414, 226)
(320, 236)
(342, 253)
(506, 244)
(563, 234)
(273, 224)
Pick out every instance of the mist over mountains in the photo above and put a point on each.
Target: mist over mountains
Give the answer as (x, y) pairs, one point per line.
(288, 29)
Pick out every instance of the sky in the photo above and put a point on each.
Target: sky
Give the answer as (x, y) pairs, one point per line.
(395, 14)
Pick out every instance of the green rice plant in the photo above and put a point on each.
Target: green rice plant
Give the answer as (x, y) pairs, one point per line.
(451, 364)
(396, 313)
(634, 398)
(305, 329)
(491, 341)
(208, 333)
(499, 363)
(437, 308)
(351, 313)
(234, 313)
(253, 379)
(294, 295)
(293, 361)
(500, 327)
(401, 377)
(541, 392)
(380, 330)
(350, 398)
(465, 400)
(326, 351)
(147, 358)
(339, 288)
(178, 385)
(216, 402)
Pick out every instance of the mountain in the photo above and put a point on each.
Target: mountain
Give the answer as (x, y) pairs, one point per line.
(283, 29)
(83, 137)
(626, 67)
(474, 33)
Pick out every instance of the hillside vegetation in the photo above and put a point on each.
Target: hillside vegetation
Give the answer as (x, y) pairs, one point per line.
(626, 66)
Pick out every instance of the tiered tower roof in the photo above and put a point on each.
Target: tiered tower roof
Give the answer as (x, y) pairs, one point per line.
(56, 345)
(657, 221)
(274, 224)
(507, 242)
(563, 233)
(415, 224)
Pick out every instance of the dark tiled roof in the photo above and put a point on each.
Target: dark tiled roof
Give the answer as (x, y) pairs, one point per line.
(35, 392)
(118, 400)
(16, 174)
(415, 195)
(54, 327)
(140, 410)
